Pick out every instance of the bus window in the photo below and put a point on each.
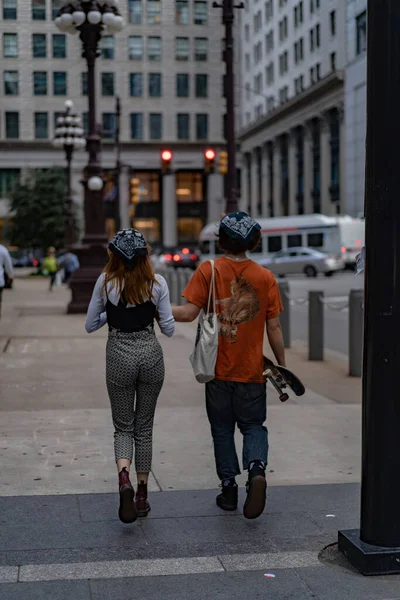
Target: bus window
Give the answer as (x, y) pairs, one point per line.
(315, 240)
(274, 243)
(205, 247)
(294, 240)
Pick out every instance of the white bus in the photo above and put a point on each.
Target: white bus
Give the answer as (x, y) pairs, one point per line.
(340, 236)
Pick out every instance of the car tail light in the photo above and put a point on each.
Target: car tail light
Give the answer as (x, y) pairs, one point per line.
(168, 257)
(185, 251)
(343, 249)
(177, 258)
(193, 257)
(35, 263)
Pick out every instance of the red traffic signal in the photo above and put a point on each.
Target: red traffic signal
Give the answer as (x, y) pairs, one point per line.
(166, 158)
(209, 160)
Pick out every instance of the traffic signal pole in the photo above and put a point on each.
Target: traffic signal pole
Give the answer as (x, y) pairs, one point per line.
(375, 548)
(227, 19)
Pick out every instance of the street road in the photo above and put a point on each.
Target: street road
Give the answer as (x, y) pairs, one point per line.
(336, 288)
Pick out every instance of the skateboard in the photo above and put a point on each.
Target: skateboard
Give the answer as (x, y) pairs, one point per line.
(281, 378)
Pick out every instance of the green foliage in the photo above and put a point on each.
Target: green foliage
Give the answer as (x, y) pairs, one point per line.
(38, 207)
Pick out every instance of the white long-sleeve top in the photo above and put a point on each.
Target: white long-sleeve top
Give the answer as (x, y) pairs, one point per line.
(97, 317)
(5, 265)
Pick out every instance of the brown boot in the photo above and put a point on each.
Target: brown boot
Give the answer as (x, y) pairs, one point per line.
(127, 509)
(142, 505)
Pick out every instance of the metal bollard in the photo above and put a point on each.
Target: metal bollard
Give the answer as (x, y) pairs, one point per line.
(174, 288)
(316, 326)
(285, 315)
(356, 332)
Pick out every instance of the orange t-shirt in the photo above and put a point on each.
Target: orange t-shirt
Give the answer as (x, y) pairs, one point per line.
(247, 296)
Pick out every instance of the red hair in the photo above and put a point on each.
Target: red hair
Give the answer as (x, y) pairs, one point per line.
(136, 285)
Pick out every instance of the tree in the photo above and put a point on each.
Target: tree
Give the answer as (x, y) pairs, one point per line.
(38, 208)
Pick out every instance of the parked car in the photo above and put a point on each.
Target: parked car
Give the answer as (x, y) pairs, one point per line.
(182, 258)
(292, 261)
(24, 258)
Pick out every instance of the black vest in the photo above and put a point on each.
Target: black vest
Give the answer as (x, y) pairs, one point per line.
(128, 320)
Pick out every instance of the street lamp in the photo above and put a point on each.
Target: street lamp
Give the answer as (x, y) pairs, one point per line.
(69, 136)
(92, 19)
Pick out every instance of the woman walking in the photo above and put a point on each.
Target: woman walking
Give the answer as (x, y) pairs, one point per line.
(128, 297)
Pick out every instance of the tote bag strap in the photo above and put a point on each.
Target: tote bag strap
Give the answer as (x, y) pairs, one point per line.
(212, 290)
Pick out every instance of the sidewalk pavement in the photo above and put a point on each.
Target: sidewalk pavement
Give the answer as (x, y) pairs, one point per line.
(60, 536)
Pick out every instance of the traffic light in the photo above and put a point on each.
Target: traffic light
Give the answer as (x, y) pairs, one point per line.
(209, 160)
(135, 193)
(166, 159)
(223, 162)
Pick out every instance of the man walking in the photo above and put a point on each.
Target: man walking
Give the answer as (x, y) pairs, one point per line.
(248, 302)
(6, 269)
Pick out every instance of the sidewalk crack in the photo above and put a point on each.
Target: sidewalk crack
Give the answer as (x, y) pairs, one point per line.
(8, 342)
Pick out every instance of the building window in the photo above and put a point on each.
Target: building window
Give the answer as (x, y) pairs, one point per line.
(39, 10)
(39, 83)
(8, 178)
(183, 126)
(155, 126)
(269, 74)
(84, 84)
(312, 41)
(182, 85)
(85, 123)
(137, 126)
(201, 85)
(107, 47)
(182, 12)
(39, 45)
(318, 36)
(332, 21)
(200, 12)
(107, 84)
(60, 83)
(284, 63)
(189, 186)
(135, 11)
(9, 10)
(155, 85)
(136, 84)
(11, 85)
(269, 41)
(59, 45)
(55, 7)
(153, 12)
(12, 125)
(284, 94)
(10, 45)
(361, 33)
(201, 127)
(108, 126)
(182, 48)
(154, 48)
(333, 61)
(41, 125)
(200, 49)
(135, 47)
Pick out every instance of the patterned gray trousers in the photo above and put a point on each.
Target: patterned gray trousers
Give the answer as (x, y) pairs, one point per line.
(134, 375)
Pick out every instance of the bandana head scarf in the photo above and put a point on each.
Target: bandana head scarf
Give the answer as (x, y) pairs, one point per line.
(240, 226)
(129, 244)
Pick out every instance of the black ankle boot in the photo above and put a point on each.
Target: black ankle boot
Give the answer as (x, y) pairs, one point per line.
(228, 498)
(256, 488)
(127, 509)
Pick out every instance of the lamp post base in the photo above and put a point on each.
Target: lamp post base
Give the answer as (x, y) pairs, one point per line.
(92, 259)
(368, 559)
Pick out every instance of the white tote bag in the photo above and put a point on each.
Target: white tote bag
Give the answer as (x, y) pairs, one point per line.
(204, 355)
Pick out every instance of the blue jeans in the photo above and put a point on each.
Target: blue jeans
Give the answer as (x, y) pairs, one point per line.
(245, 404)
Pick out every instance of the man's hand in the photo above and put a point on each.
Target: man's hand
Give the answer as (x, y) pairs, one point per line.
(275, 338)
(186, 313)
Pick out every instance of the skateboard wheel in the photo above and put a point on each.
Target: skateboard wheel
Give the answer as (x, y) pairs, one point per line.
(267, 373)
(284, 397)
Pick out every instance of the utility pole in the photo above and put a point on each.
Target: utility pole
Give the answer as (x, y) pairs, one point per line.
(117, 207)
(227, 19)
(375, 548)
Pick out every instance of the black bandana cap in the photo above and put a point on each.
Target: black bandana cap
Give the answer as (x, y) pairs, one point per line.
(240, 226)
(129, 244)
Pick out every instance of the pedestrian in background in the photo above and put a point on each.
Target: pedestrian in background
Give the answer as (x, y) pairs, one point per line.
(6, 270)
(128, 297)
(248, 301)
(50, 266)
(70, 264)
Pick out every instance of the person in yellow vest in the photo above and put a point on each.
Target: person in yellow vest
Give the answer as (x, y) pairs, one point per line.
(50, 266)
